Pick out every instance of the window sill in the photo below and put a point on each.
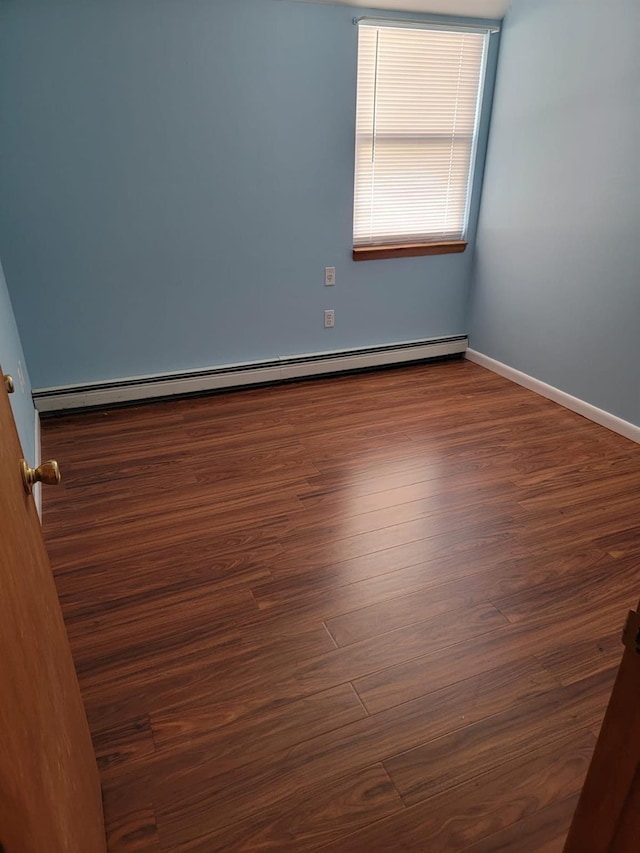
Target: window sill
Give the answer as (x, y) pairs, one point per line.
(407, 250)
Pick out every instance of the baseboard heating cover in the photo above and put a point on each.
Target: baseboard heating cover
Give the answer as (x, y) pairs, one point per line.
(227, 376)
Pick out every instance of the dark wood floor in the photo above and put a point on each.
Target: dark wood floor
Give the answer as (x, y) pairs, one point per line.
(370, 613)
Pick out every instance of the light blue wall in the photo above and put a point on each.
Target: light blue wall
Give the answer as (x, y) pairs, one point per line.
(12, 362)
(175, 176)
(557, 282)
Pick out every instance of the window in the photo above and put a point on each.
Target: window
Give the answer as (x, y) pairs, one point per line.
(419, 93)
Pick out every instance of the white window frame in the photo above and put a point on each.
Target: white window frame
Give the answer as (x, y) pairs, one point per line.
(392, 245)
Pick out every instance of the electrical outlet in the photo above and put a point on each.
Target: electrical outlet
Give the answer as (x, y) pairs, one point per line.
(329, 276)
(329, 318)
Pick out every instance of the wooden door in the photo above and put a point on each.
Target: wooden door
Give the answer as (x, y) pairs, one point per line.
(50, 800)
(607, 818)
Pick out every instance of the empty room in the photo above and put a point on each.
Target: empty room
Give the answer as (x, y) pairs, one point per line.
(319, 426)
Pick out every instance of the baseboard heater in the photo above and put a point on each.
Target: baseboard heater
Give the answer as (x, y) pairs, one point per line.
(227, 376)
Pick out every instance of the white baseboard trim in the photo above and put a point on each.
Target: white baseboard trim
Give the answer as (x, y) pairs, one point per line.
(575, 404)
(155, 386)
(37, 455)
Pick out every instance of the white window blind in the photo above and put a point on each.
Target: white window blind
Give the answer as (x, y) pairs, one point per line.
(416, 126)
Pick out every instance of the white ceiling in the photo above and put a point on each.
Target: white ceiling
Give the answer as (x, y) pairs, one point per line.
(471, 8)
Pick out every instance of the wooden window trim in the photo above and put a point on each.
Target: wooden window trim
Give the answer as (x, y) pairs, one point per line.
(407, 250)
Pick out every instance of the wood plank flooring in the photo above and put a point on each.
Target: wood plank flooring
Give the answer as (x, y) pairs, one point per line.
(369, 613)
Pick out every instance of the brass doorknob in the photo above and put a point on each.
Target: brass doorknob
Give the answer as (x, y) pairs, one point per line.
(8, 383)
(47, 473)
